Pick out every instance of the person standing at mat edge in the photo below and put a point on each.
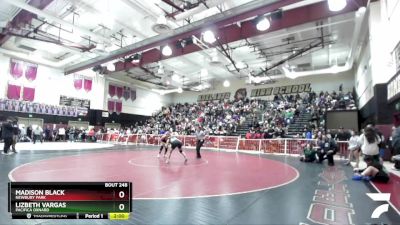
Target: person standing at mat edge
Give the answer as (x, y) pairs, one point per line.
(7, 135)
(16, 133)
(37, 134)
(200, 136)
(175, 143)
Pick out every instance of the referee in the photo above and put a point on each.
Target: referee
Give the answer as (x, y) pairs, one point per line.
(200, 136)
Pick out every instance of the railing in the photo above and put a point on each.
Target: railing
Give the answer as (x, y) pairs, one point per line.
(288, 146)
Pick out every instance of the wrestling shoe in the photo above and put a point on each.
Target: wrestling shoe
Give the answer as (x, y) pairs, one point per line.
(357, 177)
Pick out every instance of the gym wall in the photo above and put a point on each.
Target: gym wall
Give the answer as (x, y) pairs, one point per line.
(326, 82)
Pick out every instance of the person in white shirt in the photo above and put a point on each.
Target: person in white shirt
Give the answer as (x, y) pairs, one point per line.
(61, 133)
(200, 137)
(354, 148)
(37, 134)
(369, 141)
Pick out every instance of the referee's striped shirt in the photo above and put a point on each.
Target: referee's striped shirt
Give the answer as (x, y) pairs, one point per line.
(200, 135)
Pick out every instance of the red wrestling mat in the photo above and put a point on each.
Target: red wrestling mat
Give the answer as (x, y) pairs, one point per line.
(391, 187)
(217, 174)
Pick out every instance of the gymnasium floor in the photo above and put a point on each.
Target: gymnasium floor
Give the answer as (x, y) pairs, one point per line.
(221, 188)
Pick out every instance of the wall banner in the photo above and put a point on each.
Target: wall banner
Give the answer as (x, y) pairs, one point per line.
(212, 97)
(289, 89)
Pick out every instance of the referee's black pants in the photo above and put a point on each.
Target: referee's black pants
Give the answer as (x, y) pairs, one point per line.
(7, 144)
(198, 146)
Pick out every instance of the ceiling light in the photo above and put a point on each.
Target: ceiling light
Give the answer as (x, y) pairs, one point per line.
(160, 70)
(209, 37)
(167, 82)
(226, 83)
(336, 5)
(335, 69)
(161, 20)
(111, 67)
(240, 65)
(166, 51)
(194, 40)
(73, 36)
(263, 24)
(180, 90)
(204, 72)
(360, 11)
(289, 74)
(111, 48)
(175, 77)
(257, 79)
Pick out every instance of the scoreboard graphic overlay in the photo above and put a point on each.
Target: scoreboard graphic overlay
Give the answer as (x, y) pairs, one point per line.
(70, 200)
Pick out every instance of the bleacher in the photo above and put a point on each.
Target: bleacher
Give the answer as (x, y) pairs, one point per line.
(297, 127)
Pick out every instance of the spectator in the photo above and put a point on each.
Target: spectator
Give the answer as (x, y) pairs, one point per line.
(47, 133)
(223, 117)
(327, 149)
(70, 132)
(309, 153)
(369, 141)
(309, 135)
(342, 135)
(37, 134)
(61, 133)
(29, 132)
(16, 134)
(354, 148)
(7, 135)
(396, 141)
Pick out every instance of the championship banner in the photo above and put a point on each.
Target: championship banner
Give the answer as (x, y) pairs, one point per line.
(127, 93)
(30, 71)
(133, 94)
(290, 89)
(70, 101)
(212, 97)
(78, 82)
(40, 108)
(13, 91)
(87, 84)
(393, 86)
(16, 68)
(396, 53)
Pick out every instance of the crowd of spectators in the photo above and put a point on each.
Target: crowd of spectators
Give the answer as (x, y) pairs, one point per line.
(284, 109)
(217, 118)
(265, 119)
(48, 134)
